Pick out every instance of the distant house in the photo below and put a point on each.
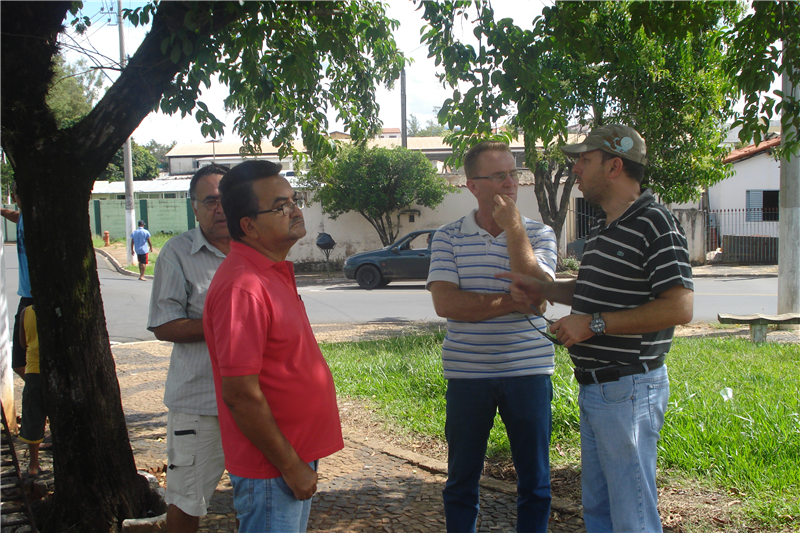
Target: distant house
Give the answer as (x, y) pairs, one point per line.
(185, 159)
(142, 190)
(390, 133)
(743, 209)
(754, 184)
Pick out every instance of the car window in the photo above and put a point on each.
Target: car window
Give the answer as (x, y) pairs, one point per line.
(420, 242)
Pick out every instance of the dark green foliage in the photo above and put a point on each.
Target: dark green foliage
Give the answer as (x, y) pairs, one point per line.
(145, 166)
(377, 183)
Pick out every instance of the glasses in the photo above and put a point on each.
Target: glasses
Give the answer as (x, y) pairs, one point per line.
(287, 208)
(500, 177)
(210, 203)
(549, 336)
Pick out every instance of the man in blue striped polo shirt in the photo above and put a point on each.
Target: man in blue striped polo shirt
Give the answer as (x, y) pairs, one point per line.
(633, 287)
(493, 358)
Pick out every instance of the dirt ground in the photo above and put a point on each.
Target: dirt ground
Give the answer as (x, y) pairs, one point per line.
(685, 505)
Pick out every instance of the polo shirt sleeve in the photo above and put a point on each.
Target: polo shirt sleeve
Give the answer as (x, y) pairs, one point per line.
(169, 296)
(667, 262)
(241, 326)
(543, 242)
(443, 262)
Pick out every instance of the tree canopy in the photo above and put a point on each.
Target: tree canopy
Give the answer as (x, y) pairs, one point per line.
(583, 65)
(286, 64)
(159, 152)
(377, 183)
(75, 89)
(144, 165)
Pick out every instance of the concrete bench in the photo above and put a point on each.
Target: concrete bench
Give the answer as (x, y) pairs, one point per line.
(758, 322)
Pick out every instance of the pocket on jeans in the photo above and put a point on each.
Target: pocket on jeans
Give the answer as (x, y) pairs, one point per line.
(242, 494)
(617, 391)
(658, 399)
(281, 484)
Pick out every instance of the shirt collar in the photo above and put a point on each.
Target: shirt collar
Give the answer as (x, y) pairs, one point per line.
(470, 225)
(200, 240)
(645, 199)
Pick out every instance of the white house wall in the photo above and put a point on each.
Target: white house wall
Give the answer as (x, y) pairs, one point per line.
(761, 172)
(352, 233)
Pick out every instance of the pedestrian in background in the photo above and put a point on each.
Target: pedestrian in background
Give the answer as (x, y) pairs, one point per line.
(141, 246)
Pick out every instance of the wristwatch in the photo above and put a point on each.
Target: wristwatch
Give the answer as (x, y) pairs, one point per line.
(597, 325)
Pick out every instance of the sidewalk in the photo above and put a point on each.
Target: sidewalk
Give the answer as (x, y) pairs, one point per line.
(116, 254)
(367, 487)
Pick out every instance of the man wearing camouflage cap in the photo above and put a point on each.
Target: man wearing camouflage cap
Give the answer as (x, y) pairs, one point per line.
(634, 286)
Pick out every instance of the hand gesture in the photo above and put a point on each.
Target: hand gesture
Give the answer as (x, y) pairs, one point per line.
(505, 212)
(302, 479)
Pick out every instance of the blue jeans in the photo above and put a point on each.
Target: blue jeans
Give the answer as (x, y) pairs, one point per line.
(524, 406)
(620, 425)
(269, 505)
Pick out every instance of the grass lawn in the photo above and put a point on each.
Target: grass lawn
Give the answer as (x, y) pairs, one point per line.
(733, 420)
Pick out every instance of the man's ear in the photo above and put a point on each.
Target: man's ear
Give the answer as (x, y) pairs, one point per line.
(472, 187)
(248, 227)
(615, 168)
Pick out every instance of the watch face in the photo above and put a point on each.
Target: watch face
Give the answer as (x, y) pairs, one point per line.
(597, 325)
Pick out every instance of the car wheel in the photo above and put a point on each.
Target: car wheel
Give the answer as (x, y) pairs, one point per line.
(368, 277)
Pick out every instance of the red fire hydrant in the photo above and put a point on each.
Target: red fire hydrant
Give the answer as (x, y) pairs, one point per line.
(106, 239)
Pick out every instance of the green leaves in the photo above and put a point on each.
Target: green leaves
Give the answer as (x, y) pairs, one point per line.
(377, 183)
(591, 63)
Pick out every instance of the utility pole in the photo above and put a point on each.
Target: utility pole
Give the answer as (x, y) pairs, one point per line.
(130, 213)
(403, 131)
(789, 208)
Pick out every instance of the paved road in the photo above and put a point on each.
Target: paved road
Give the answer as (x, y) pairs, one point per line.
(126, 300)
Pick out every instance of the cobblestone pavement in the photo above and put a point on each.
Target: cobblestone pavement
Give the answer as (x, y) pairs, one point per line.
(361, 489)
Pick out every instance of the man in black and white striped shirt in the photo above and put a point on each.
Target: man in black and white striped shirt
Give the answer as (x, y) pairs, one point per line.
(634, 286)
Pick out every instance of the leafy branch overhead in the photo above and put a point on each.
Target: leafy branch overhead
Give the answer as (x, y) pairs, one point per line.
(377, 183)
(585, 64)
(286, 65)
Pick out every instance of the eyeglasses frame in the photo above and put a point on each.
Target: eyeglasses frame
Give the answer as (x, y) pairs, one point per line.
(500, 177)
(296, 203)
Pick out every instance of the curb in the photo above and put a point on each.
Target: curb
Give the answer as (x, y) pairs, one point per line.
(435, 466)
(733, 275)
(114, 263)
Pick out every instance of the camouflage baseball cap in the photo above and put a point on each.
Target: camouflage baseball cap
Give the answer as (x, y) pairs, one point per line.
(621, 141)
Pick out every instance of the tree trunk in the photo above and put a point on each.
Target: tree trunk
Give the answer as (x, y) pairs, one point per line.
(96, 484)
(547, 173)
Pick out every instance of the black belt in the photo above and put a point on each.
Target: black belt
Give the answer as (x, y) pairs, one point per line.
(604, 375)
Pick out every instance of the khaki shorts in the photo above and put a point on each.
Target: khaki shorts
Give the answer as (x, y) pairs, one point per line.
(195, 462)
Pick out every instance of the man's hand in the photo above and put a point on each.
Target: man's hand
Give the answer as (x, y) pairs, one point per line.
(572, 329)
(505, 213)
(525, 289)
(302, 479)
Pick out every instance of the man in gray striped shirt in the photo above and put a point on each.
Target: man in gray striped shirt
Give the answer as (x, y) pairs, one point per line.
(494, 359)
(184, 269)
(633, 287)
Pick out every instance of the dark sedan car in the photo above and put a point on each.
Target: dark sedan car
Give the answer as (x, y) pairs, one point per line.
(408, 258)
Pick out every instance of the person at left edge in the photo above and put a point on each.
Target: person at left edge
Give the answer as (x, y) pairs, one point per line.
(24, 287)
(275, 393)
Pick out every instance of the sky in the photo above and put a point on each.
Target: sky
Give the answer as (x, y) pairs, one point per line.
(423, 91)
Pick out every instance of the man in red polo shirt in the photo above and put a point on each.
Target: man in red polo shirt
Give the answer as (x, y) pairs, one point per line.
(275, 393)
